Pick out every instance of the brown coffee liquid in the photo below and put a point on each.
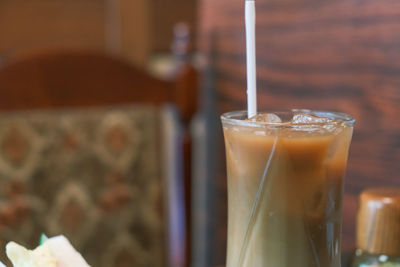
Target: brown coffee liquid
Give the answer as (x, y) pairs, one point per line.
(297, 222)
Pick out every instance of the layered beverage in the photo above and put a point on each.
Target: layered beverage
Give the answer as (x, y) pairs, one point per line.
(285, 185)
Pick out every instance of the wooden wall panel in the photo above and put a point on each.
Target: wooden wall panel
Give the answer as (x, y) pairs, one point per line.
(133, 29)
(331, 55)
(27, 25)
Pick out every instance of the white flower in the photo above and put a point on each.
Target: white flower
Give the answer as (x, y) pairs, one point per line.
(54, 252)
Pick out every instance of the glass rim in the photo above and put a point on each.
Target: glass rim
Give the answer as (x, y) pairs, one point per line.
(234, 118)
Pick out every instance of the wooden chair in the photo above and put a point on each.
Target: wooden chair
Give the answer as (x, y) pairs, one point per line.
(82, 78)
(78, 80)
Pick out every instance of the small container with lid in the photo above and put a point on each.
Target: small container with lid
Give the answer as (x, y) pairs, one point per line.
(378, 229)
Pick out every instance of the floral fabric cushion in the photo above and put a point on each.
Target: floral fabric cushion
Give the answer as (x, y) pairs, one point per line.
(92, 175)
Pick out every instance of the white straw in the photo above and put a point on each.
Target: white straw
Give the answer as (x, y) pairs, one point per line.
(250, 17)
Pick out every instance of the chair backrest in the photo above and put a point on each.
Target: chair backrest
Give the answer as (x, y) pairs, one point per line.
(77, 81)
(90, 174)
(79, 78)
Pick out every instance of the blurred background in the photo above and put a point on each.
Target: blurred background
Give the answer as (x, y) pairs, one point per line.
(138, 31)
(110, 114)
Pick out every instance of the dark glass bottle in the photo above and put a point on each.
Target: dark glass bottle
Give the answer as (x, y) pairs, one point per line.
(378, 229)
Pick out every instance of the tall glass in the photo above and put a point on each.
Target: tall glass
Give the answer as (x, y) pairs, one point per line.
(285, 186)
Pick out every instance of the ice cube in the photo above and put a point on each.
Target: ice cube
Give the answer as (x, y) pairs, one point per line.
(301, 118)
(265, 118)
(261, 133)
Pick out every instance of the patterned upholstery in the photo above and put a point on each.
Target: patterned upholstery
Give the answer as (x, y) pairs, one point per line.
(91, 174)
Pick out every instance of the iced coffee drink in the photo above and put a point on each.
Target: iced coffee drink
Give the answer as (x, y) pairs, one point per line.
(285, 185)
